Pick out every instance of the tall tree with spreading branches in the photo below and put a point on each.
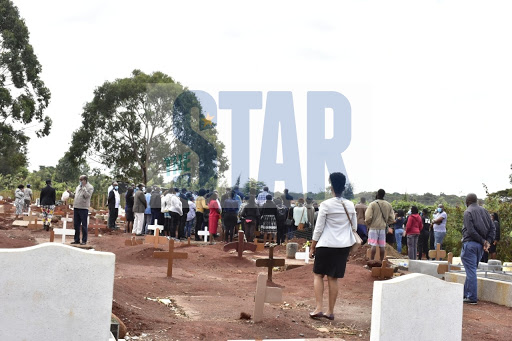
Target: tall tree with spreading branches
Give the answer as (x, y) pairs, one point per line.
(133, 125)
(23, 95)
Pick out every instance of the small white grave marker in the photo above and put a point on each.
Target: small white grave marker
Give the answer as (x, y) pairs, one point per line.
(204, 233)
(303, 255)
(64, 231)
(156, 227)
(264, 295)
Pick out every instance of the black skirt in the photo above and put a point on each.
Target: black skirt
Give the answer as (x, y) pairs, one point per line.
(331, 261)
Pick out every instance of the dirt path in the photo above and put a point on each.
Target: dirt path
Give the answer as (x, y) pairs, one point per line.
(210, 289)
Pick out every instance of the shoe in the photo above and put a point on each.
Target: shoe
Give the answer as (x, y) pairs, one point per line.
(76, 243)
(317, 315)
(468, 301)
(83, 243)
(329, 317)
(139, 234)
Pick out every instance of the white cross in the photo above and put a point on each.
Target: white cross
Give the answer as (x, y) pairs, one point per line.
(64, 231)
(204, 233)
(303, 255)
(156, 227)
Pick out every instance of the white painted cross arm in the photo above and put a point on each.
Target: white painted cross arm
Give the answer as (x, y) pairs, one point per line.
(204, 233)
(303, 255)
(156, 226)
(64, 232)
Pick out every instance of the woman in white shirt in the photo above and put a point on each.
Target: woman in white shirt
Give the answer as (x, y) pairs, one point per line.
(331, 244)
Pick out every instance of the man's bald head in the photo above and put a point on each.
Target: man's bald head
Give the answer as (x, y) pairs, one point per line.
(471, 198)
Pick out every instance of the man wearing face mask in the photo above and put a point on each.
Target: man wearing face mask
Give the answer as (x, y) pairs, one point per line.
(81, 204)
(113, 205)
(439, 224)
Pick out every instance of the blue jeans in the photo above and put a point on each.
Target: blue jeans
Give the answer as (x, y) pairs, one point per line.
(438, 237)
(80, 218)
(188, 227)
(398, 237)
(470, 256)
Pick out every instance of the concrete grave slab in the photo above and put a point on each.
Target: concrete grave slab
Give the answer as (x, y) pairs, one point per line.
(489, 289)
(440, 316)
(38, 293)
(20, 223)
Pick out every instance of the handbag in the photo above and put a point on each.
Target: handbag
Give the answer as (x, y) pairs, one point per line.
(300, 227)
(359, 241)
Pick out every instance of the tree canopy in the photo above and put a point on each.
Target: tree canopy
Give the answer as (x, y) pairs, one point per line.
(133, 124)
(23, 95)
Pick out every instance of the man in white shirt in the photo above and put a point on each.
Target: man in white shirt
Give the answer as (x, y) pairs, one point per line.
(262, 197)
(176, 211)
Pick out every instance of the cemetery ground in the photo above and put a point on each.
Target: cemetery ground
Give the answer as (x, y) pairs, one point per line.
(210, 289)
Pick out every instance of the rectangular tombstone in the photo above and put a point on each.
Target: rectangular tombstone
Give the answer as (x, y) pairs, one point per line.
(433, 309)
(54, 292)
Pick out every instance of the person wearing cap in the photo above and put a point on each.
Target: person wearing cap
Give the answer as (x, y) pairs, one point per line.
(439, 225)
(47, 202)
(81, 204)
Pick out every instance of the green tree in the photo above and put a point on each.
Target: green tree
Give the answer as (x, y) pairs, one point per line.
(349, 191)
(67, 171)
(253, 186)
(133, 124)
(23, 95)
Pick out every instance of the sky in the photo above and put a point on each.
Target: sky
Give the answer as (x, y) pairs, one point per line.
(428, 82)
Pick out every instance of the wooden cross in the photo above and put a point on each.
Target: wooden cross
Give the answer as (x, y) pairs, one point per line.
(303, 255)
(204, 233)
(270, 262)
(64, 231)
(259, 246)
(170, 255)
(34, 225)
(96, 226)
(156, 239)
(437, 253)
(444, 268)
(383, 272)
(264, 295)
(240, 245)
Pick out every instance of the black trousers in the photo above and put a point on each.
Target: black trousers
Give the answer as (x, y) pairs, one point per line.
(423, 244)
(432, 240)
(281, 233)
(183, 222)
(175, 223)
(199, 225)
(112, 217)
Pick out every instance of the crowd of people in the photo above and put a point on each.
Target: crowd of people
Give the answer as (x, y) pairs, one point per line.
(184, 213)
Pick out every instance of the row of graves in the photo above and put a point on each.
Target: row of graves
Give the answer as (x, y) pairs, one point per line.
(36, 292)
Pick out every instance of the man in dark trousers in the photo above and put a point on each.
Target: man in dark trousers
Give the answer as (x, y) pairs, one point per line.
(47, 202)
(81, 204)
(185, 209)
(114, 199)
(478, 233)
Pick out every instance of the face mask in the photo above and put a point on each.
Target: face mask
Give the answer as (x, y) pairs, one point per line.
(143, 189)
(79, 183)
(439, 210)
(116, 188)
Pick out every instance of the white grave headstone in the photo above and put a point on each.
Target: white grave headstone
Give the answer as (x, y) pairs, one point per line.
(204, 233)
(54, 292)
(440, 316)
(303, 255)
(64, 231)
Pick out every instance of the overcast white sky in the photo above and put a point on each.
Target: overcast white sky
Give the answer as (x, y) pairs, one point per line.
(429, 82)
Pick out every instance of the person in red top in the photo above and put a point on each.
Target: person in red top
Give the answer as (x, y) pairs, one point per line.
(412, 230)
(213, 220)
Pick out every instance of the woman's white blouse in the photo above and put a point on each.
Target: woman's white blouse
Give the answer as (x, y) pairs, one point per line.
(333, 228)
